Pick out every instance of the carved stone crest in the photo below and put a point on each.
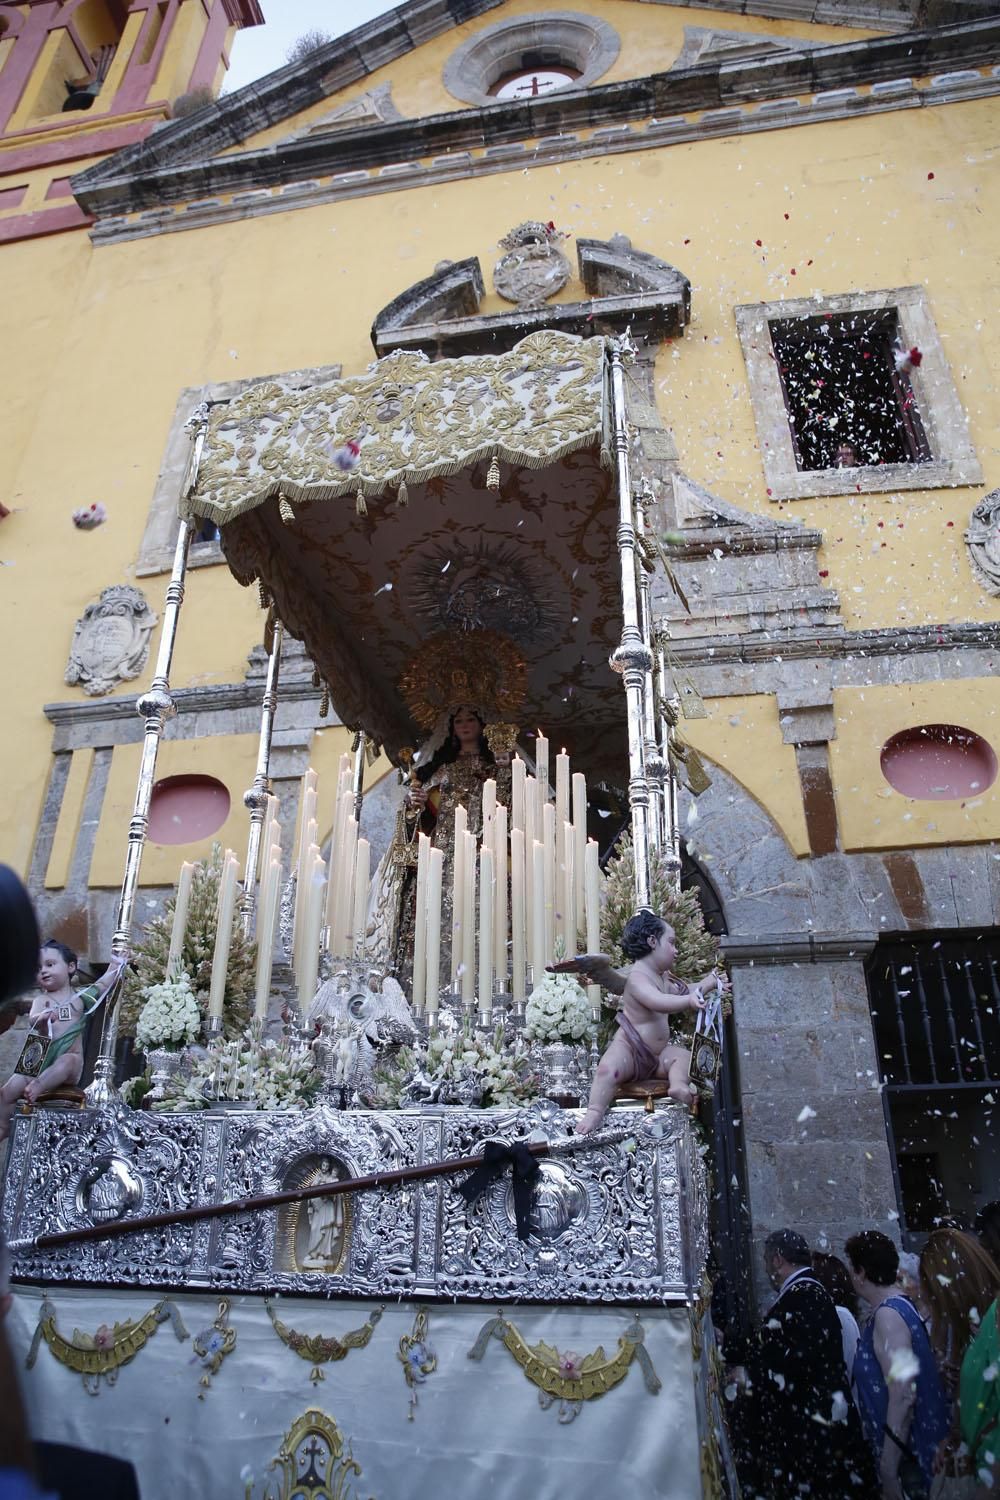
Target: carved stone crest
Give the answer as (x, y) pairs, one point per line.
(533, 270)
(110, 640)
(983, 542)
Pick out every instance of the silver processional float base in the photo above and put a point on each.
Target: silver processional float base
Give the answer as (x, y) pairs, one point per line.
(239, 1355)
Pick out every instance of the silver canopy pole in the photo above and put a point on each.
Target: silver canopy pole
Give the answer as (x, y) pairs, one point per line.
(632, 658)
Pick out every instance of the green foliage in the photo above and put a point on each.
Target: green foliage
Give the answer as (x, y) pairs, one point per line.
(697, 950)
(149, 956)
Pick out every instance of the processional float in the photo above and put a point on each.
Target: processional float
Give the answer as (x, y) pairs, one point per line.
(329, 485)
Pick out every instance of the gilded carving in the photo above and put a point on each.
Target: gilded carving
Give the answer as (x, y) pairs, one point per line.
(110, 640)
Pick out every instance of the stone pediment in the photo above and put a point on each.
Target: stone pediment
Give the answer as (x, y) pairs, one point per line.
(704, 44)
(624, 287)
(371, 108)
(214, 151)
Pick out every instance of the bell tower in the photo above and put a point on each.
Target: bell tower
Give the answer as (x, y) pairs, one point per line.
(82, 78)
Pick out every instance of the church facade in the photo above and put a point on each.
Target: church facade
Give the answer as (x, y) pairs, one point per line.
(791, 212)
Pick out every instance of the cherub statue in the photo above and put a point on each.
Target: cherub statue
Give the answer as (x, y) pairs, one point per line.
(641, 1048)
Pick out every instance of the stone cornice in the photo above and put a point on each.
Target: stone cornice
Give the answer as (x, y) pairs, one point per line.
(773, 948)
(211, 699)
(176, 164)
(720, 650)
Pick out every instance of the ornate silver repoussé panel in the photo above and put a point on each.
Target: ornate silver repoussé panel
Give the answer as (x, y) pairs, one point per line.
(622, 1223)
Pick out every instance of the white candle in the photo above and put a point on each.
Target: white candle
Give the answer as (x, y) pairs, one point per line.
(567, 897)
(486, 900)
(592, 890)
(530, 835)
(538, 921)
(267, 912)
(469, 920)
(345, 896)
(542, 771)
(223, 935)
(341, 818)
(579, 841)
(489, 811)
(562, 789)
(435, 871)
(314, 890)
(457, 892)
(500, 893)
(362, 880)
(307, 810)
(517, 924)
(181, 904)
(270, 819)
(420, 926)
(518, 785)
(549, 845)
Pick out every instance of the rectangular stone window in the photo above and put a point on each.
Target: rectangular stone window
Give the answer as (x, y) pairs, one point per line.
(835, 412)
(156, 553)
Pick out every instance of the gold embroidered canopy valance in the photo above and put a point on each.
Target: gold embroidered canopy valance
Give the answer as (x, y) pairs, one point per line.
(367, 578)
(409, 420)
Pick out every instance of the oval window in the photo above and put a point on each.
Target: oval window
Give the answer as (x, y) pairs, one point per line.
(184, 809)
(529, 83)
(938, 762)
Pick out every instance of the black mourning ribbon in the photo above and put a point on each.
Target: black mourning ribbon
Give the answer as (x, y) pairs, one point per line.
(496, 1159)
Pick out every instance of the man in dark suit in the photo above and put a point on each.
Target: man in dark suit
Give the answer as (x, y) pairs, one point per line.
(807, 1437)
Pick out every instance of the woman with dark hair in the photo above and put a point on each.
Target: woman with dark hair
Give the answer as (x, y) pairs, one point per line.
(58, 1016)
(641, 1047)
(831, 1273)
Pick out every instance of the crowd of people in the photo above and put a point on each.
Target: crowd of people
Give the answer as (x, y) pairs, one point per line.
(873, 1375)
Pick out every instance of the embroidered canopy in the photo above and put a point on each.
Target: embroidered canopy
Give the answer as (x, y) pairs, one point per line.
(367, 563)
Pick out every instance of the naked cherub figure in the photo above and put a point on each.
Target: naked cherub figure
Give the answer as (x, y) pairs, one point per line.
(642, 1048)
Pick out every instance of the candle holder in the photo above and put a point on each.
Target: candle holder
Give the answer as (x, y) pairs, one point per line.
(529, 978)
(213, 1027)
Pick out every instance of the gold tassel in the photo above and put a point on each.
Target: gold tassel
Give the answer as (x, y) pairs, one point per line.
(317, 681)
(264, 596)
(285, 510)
(324, 702)
(493, 474)
(360, 505)
(402, 494)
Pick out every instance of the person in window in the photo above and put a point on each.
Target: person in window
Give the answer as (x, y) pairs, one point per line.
(846, 456)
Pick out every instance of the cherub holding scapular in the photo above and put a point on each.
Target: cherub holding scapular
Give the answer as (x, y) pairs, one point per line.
(58, 1017)
(641, 1047)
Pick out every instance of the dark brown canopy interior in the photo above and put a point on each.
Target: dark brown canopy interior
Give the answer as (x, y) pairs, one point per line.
(536, 561)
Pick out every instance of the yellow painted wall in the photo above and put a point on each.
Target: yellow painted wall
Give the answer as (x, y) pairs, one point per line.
(871, 814)
(231, 759)
(742, 734)
(103, 341)
(651, 37)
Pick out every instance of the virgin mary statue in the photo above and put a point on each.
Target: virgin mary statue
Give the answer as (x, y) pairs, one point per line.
(464, 687)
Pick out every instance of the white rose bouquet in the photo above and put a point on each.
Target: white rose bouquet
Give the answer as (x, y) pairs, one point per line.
(558, 1011)
(170, 1016)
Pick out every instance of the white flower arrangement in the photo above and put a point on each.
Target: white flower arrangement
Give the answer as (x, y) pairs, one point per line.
(558, 1011)
(271, 1074)
(170, 1016)
(450, 1055)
